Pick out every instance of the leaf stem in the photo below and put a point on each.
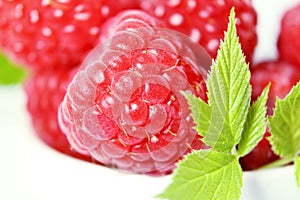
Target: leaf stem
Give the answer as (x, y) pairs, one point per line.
(278, 163)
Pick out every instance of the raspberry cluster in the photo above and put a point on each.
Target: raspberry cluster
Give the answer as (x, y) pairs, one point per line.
(106, 77)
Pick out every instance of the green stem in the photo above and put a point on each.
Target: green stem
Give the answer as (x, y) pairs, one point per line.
(278, 163)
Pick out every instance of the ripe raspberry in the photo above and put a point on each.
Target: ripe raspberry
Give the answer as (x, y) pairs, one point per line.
(205, 21)
(128, 20)
(288, 40)
(282, 77)
(45, 91)
(125, 107)
(53, 33)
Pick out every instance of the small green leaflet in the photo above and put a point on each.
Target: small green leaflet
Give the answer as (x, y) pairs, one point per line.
(285, 125)
(255, 125)
(225, 121)
(285, 128)
(213, 175)
(229, 93)
(9, 72)
(200, 112)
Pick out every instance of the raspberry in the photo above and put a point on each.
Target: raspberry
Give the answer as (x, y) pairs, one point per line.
(128, 19)
(45, 91)
(125, 105)
(53, 33)
(288, 40)
(282, 76)
(205, 21)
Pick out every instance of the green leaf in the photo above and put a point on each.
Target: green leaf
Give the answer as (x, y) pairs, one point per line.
(10, 73)
(255, 125)
(285, 125)
(206, 175)
(229, 92)
(216, 173)
(200, 112)
(297, 170)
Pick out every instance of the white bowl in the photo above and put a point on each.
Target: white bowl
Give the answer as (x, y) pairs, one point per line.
(31, 170)
(56, 176)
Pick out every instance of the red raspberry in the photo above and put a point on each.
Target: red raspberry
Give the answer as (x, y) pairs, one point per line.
(282, 76)
(45, 91)
(128, 20)
(205, 21)
(53, 33)
(125, 105)
(288, 40)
